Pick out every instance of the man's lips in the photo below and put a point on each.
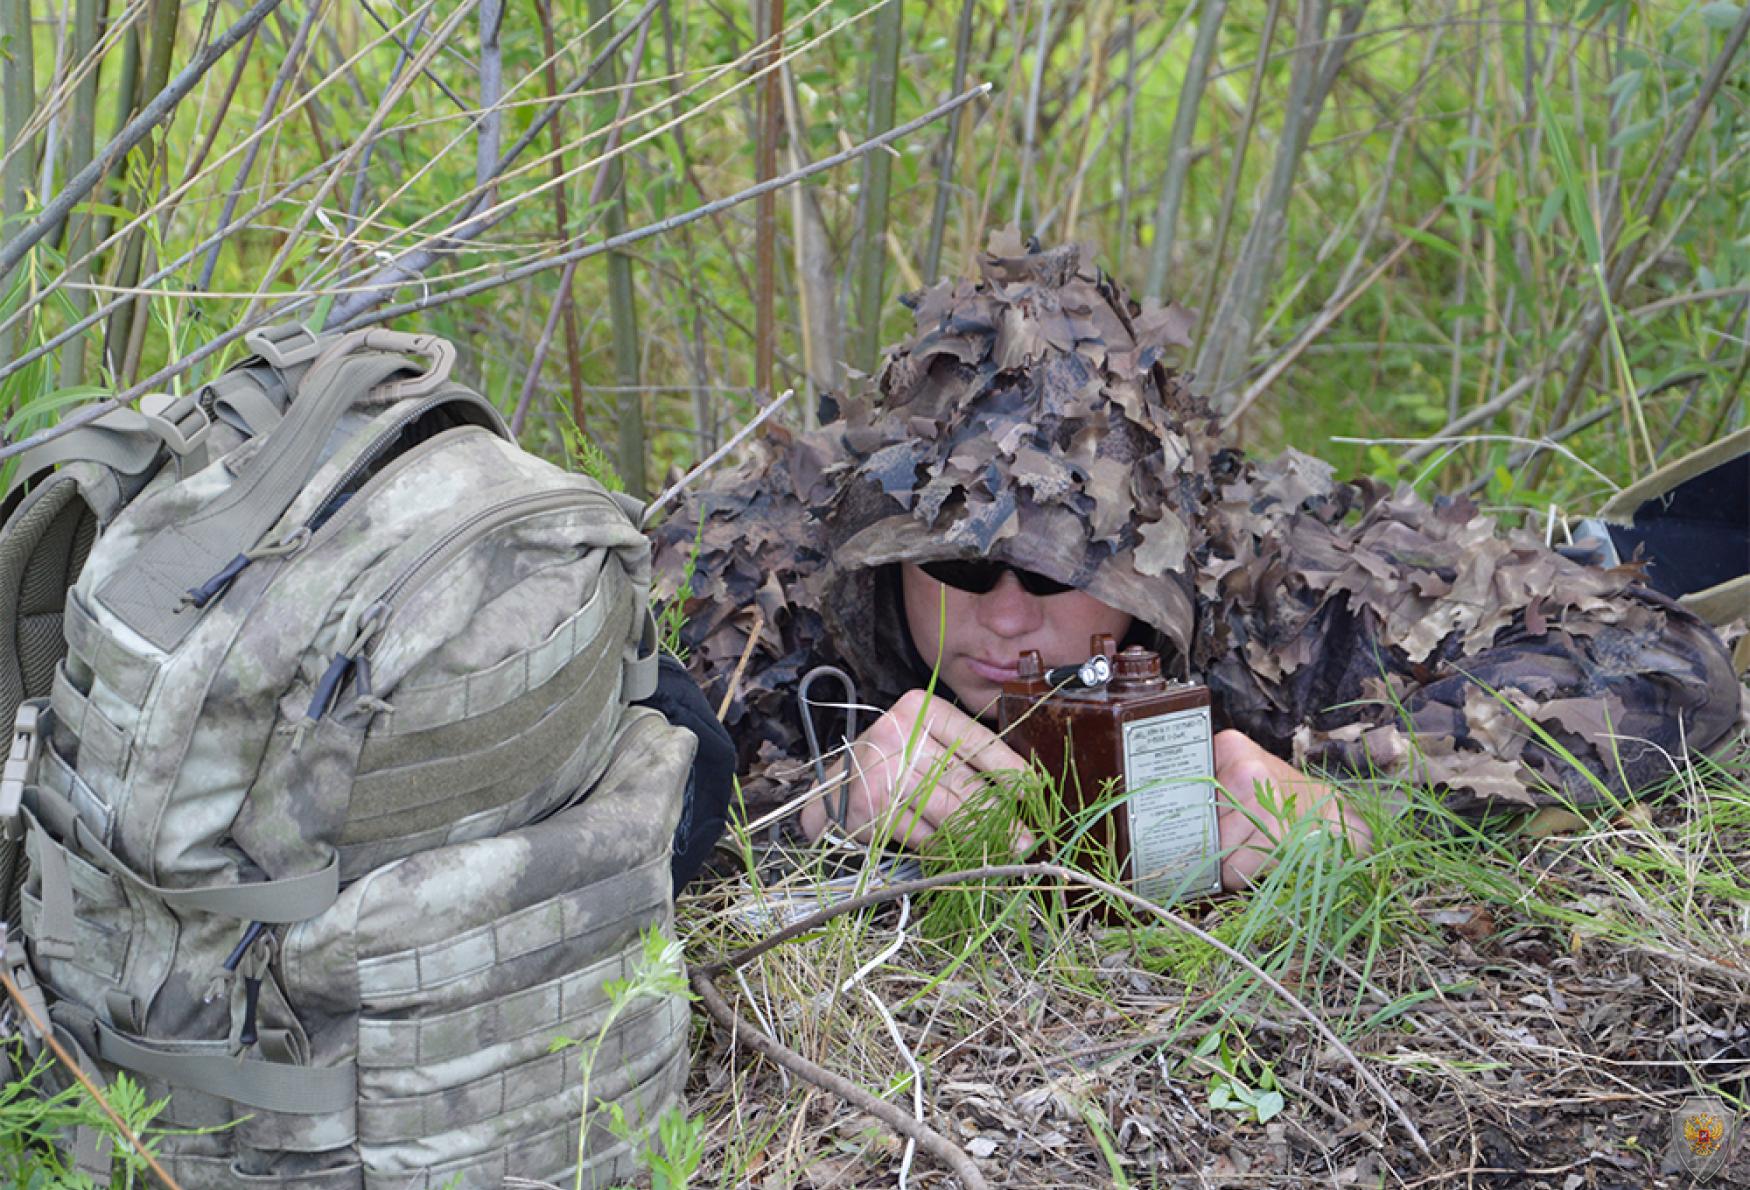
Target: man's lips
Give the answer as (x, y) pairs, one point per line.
(992, 671)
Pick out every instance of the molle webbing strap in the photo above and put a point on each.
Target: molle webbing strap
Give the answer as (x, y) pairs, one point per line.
(269, 1086)
(128, 673)
(273, 902)
(147, 595)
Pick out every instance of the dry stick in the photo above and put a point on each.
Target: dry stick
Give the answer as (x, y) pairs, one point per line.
(560, 305)
(289, 67)
(927, 1138)
(753, 639)
(875, 190)
(107, 238)
(390, 98)
(1088, 149)
(664, 225)
(712, 459)
(224, 108)
(481, 213)
(1179, 144)
(80, 137)
(137, 129)
(563, 304)
(1055, 871)
(491, 18)
(950, 143)
(47, 1033)
(221, 341)
(562, 223)
(1231, 192)
(817, 306)
(766, 209)
(408, 52)
(74, 330)
(1127, 129)
(610, 181)
(1597, 318)
(122, 323)
(361, 175)
(1222, 356)
(1042, 48)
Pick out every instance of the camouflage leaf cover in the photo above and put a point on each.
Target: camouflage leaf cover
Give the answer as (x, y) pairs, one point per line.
(1030, 417)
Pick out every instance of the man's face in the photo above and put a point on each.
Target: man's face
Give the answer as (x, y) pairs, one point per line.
(979, 637)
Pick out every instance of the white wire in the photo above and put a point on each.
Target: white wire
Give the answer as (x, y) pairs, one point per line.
(917, 1074)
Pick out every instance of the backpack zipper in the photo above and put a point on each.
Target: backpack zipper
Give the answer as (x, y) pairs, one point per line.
(355, 657)
(303, 535)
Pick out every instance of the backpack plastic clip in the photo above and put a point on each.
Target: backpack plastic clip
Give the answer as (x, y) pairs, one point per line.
(285, 344)
(439, 351)
(20, 767)
(179, 422)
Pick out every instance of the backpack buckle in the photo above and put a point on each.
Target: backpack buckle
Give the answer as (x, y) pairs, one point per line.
(285, 344)
(20, 767)
(179, 422)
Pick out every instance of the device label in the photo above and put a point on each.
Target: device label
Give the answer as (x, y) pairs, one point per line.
(1169, 775)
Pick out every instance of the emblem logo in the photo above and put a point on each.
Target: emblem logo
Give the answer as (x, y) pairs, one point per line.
(1704, 1132)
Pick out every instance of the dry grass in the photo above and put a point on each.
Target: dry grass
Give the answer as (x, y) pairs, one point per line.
(1537, 1005)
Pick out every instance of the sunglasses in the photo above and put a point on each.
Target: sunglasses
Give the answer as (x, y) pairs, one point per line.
(979, 576)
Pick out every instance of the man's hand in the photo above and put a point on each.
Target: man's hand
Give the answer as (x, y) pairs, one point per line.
(884, 769)
(1249, 831)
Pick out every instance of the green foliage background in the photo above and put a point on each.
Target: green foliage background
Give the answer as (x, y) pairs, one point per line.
(1481, 138)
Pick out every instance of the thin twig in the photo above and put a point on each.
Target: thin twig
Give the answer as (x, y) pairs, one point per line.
(191, 359)
(137, 129)
(482, 212)
(715, 456)
(927, 1138)
(665, 225)
(289, 67)
(47, 1033)
(753, 639)
(950, 142)
(1057, 872)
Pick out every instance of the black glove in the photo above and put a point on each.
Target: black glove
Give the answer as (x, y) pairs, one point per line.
(711, 782)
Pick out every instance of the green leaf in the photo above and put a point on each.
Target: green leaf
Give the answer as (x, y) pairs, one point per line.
(1635, 132)
(1721, 14)
(1552, 206)
(1624, 81)
(1269, 1106)
(1429, 240)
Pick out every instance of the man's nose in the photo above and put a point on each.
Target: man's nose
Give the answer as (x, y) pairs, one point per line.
(1008, 610)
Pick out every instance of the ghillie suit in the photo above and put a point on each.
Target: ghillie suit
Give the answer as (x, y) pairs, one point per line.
(1030, 418)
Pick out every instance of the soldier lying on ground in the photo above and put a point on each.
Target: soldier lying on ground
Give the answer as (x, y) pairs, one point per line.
(1029, 471)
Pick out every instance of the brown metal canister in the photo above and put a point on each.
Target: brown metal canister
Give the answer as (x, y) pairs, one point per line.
(1137, 736)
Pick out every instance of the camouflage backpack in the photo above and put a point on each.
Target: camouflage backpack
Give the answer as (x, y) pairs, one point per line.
(333, 810)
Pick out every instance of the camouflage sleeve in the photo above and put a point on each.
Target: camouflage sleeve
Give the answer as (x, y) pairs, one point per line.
(743, 555)
(1367, 633)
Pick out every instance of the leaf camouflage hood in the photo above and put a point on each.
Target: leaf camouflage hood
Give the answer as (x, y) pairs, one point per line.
(1030, 418)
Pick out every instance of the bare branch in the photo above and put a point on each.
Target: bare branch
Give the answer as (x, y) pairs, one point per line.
(137, 129)
(291, 306)
(478, 216)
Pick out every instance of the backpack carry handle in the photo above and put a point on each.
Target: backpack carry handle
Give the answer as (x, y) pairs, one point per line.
(182, 556)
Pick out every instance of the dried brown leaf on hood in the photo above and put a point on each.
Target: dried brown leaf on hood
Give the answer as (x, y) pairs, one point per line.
(1164, 544)
(1165, 326)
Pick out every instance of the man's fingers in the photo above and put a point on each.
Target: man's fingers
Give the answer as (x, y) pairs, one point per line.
(971, 740)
